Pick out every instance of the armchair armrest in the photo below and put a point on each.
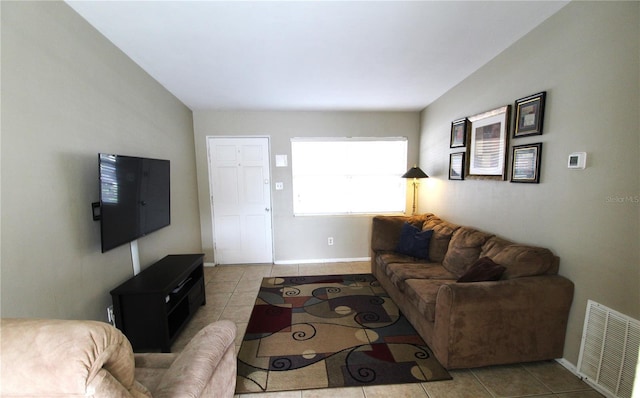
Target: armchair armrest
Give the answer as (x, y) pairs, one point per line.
(51, 357)
(206, 367)
(507, 321)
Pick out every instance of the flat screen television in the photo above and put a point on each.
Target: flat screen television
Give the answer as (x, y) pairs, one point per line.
(134, 198)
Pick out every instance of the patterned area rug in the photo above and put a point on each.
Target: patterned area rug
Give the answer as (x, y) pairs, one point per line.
(330, 331)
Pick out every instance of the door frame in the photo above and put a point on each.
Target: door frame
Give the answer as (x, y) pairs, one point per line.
(209, 139)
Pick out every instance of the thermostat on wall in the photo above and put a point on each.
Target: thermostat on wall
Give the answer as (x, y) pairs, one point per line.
(577, 160)
(281, 160)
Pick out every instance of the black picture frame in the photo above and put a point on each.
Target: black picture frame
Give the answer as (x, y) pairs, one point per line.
(529, 115)
(525, 163)
(459, 132)
(456, 166)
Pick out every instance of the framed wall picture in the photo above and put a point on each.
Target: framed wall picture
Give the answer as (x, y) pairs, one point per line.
(529, 115)
(456, 166)
(525, 166)
(459, 130)
(487, 151)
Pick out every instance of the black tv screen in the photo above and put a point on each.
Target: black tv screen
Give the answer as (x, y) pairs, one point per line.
(134, 198)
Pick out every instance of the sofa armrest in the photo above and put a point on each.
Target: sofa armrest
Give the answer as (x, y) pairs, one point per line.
(385, 232)
(206, 366)
(521, 319)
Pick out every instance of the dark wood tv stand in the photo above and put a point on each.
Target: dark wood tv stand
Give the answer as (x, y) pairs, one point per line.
(153, 307)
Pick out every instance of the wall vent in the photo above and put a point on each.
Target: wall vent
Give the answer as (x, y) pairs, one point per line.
(609, 350)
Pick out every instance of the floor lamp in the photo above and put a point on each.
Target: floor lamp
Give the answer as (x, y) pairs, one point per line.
(415, 172)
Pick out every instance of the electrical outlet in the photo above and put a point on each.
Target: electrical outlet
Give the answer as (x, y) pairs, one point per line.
(110, 317)
(330, 241)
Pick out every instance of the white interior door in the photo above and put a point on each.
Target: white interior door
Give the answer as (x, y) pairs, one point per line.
(241, 199)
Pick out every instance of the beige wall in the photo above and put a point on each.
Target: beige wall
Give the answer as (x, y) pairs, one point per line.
(67, 94)
(587, 59)
(300, 238)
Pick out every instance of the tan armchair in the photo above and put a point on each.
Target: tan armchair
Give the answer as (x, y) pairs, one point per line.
(41, 358)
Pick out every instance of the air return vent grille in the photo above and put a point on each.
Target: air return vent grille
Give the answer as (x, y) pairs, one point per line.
(609, 350)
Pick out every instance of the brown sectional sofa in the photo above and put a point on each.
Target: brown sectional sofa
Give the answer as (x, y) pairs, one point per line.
(521, 317)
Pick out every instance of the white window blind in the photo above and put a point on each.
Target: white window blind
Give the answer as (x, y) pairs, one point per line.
(348, 175)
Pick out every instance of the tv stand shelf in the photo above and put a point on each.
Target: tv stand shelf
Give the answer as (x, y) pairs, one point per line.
(153, 307)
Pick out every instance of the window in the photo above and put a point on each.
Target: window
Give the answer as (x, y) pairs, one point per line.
(348, 175)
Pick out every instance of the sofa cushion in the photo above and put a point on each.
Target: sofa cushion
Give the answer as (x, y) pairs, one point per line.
(493, 246)
(393, 257)
(522, 260)
(442, 232)
(414, 241)
(384, 259)
(150, 368)
(464, 249)
(399, 273)
(422, 293)
(483, 270)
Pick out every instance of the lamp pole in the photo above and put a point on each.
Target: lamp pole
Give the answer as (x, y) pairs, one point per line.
(415, 190)
(415, 172)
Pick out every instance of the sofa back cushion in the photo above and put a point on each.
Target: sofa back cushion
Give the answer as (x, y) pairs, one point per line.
(464, 250)
(523, 260)
(442, 232)
(493, 246)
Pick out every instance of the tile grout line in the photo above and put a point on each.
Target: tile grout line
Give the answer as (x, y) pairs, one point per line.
(487, 389)
(538, 380)
(553, 391)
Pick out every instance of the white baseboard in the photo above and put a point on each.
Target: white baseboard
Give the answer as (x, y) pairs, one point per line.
(568, 365)
(321, 261)
(311, 261)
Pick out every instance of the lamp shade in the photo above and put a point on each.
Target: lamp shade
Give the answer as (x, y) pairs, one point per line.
(415, 172)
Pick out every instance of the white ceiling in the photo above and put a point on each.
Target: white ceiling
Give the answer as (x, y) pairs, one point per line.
(312, 55)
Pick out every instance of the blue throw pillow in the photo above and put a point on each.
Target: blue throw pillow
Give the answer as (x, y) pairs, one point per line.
(414, 242)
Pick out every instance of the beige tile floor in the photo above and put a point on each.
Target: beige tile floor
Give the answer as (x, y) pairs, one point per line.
(231, 292)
